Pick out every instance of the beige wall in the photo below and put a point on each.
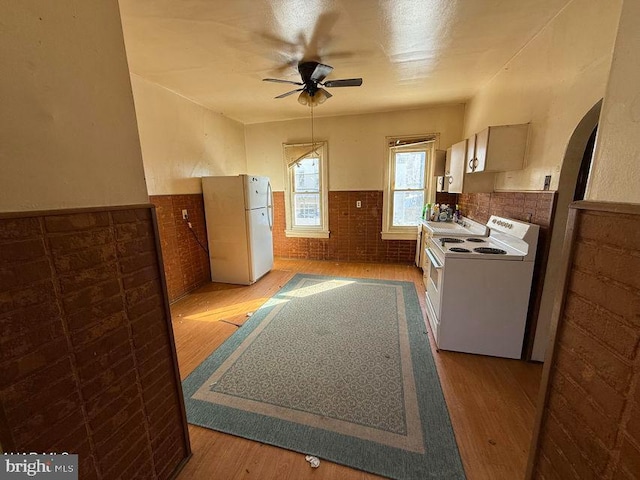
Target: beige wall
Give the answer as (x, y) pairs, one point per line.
(68, 134)
(183, 141)
(356, 142)
(552, 83)
(615, 173)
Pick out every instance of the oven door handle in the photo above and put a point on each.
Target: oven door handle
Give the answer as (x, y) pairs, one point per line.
(432, 258)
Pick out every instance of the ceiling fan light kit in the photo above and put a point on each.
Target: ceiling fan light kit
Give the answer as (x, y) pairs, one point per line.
(312, 91)
(319, 97)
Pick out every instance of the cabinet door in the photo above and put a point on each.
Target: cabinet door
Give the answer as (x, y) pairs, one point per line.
(470, 154)
(447, 165)
(482, 145)
(423, 245)
(440, 163)
(456, 166)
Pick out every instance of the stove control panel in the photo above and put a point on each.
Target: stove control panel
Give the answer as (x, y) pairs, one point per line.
(502, 223)
(508, 226)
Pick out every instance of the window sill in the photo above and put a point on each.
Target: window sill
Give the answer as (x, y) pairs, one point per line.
(299, 233)
(412, 235)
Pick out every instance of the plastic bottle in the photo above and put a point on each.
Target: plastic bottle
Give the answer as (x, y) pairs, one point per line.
(436, 213)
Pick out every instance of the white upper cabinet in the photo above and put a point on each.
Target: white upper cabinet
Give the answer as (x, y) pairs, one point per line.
(455, 166)
(442, 175)
(470, 153)
(497, 149)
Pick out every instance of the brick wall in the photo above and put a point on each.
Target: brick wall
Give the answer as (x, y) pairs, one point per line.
(532, 207)
(186, 264)
(86, 351)
(590, 426)
(355, 232)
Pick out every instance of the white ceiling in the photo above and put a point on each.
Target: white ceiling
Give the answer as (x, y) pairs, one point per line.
(410, 53)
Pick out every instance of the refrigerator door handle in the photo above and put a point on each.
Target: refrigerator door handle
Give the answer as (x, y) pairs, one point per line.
(270, 206)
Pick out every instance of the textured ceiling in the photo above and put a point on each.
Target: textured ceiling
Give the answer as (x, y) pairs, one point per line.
(410, 53)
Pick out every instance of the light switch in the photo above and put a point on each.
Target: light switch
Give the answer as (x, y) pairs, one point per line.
(358, 204)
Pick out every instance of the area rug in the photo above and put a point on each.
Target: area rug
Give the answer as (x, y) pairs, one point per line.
(337, 368)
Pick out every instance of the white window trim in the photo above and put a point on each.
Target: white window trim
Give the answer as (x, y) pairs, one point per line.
(321, 231)
(390, 232)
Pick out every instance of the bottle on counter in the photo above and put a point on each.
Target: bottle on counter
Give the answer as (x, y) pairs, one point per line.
(436, 213)
(457, 215)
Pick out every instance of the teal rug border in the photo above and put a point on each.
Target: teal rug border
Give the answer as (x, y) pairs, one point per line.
(442, 457)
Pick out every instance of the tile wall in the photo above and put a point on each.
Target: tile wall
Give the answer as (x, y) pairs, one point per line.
(87, 360)
(591, 420)
(355, 232)
(186, 263)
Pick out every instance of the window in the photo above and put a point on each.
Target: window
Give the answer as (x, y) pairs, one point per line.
(306, 197)
(407, 185)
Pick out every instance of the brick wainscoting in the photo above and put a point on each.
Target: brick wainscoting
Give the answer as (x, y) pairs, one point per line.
(87, 358)
(186, 264)
(532, 207)
(355, 232)
(588, 422)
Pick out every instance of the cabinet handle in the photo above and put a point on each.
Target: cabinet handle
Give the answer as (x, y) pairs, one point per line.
(471, 164)
(450, 180)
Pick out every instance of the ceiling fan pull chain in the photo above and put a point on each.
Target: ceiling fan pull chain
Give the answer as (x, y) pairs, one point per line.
(313, 143)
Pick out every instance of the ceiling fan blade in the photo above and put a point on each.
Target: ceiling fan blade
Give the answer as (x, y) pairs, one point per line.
(347, 82)
(280, 81)
(320, 72)
(289, 93)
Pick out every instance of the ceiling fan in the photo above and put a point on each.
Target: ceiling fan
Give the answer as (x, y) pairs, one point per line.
(312, 74)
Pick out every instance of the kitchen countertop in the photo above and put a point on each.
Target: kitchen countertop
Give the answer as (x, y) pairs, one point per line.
(466, 226)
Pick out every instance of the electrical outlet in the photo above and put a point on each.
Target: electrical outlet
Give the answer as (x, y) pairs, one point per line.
(547, 182)
(185, 214)
(358, 204)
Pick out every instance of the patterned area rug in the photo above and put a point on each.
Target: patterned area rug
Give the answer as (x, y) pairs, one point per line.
(338, 368)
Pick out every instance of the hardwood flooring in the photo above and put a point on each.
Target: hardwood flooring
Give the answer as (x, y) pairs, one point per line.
(491, 401)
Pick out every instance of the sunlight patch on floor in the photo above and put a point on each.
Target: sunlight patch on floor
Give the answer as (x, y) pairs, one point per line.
(317, 288)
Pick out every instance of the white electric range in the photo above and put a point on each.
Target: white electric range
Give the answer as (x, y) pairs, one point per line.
(478, 288)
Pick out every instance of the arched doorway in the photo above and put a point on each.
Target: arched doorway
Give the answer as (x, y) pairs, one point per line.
(573, 181)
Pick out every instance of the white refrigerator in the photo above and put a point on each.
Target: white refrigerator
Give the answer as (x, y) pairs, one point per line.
(239, 217)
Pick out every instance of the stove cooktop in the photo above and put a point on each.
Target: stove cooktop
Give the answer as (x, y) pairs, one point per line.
(490, 251)
(444, 240)
(487, 248)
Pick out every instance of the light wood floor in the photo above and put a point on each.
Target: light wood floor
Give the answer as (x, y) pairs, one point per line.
(491, 401)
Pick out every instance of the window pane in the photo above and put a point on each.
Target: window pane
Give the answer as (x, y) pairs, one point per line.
(306, 209)
(307, 175)
(407, 208)
(409, 171)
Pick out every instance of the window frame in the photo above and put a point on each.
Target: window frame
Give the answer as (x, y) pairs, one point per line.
(292, 153)
(415, 143)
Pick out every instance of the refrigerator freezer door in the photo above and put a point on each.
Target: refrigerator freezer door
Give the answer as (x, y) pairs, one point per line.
(261, 242)
(256, 191)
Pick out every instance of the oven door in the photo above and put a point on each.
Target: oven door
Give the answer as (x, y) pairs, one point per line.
(433, 276)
